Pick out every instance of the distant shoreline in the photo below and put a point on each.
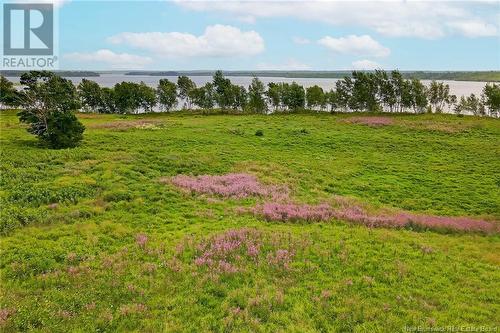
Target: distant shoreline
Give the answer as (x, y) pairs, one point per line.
(17, 73)
(478, 76)
(491, 76)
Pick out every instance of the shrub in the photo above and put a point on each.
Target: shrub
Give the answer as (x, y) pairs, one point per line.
(48, 102)
(63, 131)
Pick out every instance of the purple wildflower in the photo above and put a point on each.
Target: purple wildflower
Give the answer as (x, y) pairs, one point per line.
(233, 185)
(350, 212)
(281, 259)
(141, 240)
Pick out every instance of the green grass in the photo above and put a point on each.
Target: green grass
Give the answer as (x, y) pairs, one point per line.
(70, 261)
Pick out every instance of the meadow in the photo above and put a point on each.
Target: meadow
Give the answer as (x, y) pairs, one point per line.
(119, 235)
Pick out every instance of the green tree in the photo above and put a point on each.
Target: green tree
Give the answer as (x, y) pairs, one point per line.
(185, 85)
(147, 97)
(107, 104)
(203, 97)
(418, 96)
(439, 95)
(344, 89)
(398, 86)
(294, 96)
(274, 94)
(167, 94)
(406, 98)
(331, 99)
(470, 104)
(90, 95)
(8, 93)
(364, 92)
(315, 97)
(240, 99)
(224, 91)
(491, 96)
(386, 95)
(48, 103)
(256, 92)
(127, 97)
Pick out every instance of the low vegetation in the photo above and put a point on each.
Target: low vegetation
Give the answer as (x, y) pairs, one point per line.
(186, 222)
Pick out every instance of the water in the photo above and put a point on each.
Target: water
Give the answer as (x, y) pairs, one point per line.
(458, 88)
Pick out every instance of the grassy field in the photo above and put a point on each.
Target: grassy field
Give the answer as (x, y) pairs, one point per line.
(97, 238)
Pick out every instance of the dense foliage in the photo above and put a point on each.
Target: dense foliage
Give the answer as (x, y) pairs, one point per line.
(8, 94)
(48, 101)
(377, 91)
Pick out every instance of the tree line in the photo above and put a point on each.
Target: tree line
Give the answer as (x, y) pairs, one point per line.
(377, 91)
(47, 101)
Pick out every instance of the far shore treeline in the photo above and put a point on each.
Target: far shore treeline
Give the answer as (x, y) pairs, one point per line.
(47, 100)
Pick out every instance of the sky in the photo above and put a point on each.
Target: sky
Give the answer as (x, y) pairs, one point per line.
(279, 35)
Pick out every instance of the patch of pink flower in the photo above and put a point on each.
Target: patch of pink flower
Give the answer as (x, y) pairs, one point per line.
(293, 212)
(141, 240)
(281, 258)
(230, 251)
(356, 214)
(233, 185)
(447, 222)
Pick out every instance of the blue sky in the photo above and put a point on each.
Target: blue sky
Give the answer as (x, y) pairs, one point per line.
(250, 35)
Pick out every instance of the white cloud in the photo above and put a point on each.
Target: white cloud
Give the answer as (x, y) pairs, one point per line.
(423, 19)
(108, 57)
(365, 65)
(358, 45)
(216, 41)
(474, 28)
(247, 19)
(290, 65)
(301, 40)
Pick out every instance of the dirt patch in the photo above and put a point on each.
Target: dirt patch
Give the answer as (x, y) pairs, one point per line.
(130, 124)
(370, 121)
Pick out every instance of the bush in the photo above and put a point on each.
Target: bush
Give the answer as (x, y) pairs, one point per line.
(61, 129)
(48, 102)
(259, 133)
(64, 131)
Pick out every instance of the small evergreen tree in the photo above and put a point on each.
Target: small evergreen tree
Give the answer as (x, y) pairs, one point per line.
(48, 101)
